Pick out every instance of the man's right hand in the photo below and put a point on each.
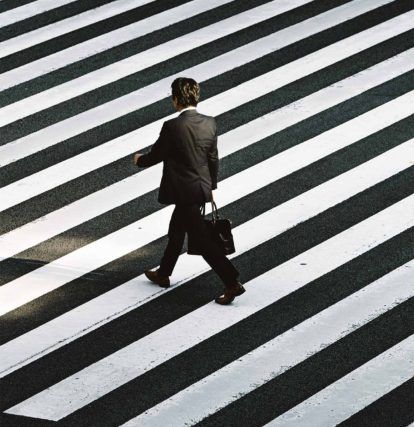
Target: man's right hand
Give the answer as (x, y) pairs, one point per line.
(136, 157)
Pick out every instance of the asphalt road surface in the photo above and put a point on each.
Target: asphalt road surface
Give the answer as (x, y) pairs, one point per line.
(314, 102)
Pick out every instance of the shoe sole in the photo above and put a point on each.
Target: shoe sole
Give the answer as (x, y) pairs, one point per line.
(224, 303)
(240, 292)
(162, 285)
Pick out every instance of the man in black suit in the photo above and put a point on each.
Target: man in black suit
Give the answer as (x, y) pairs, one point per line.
(187, 145)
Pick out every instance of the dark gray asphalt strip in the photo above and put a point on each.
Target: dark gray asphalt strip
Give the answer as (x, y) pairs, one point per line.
(125, 50)
(219, 350)
(193, 57)
(6, 5)
(334, 164)
(72, 38)
(109, 92)
(396, 409)
(160, 383)
(99, 178)
(43, 19)
(193, 294)
(183, 370)
(8, 420)
(315, 373)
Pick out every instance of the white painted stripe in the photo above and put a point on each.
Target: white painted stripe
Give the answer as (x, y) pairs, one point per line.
(150, 57)
(356, 390)
(27, 11)
(272, 359)
(136, 185)
(120, 367)
(60, 131)
(136, 292)
(76, 166)
(89, 257)
(67, 25)
(232, 59)
(119, 243)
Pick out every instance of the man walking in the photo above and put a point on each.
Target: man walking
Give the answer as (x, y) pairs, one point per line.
(187, 145)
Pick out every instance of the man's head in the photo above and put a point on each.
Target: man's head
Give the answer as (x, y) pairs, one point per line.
(185, 92)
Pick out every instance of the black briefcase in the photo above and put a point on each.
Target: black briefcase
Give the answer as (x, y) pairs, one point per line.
(218, 228)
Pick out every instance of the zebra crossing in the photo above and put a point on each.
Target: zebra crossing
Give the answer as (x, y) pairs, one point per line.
(314, 105)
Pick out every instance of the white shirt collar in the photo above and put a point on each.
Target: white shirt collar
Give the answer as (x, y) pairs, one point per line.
(190, 107)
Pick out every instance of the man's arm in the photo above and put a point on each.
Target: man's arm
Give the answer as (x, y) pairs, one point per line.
(159, 151)
(213, 162)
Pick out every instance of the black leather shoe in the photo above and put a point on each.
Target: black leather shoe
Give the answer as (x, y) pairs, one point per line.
(163, 281)
(230, 294)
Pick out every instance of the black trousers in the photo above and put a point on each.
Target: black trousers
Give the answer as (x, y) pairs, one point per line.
(188, 219)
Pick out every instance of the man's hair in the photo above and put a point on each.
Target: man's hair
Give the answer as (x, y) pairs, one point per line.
(186, 90)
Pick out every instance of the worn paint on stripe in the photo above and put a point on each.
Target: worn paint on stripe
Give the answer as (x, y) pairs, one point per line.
(113, 371)
(356, 390)
(299, 156)
(128, 296)
(236, 57)
(76, 166)
(152, 56)
(64, 26)
(272, 359)
(32, 9)
(51, 276)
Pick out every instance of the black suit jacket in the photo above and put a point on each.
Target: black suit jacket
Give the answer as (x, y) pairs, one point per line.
(187, 145)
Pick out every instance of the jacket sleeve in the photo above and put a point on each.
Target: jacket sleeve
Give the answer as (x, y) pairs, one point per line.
(213, 162)
(159, 150)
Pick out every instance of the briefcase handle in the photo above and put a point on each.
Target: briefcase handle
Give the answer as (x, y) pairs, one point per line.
(214, 211)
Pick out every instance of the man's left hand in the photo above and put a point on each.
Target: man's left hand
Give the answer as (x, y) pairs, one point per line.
(136, 157)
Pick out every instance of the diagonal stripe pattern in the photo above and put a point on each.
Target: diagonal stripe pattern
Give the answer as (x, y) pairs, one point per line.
(317, 171)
